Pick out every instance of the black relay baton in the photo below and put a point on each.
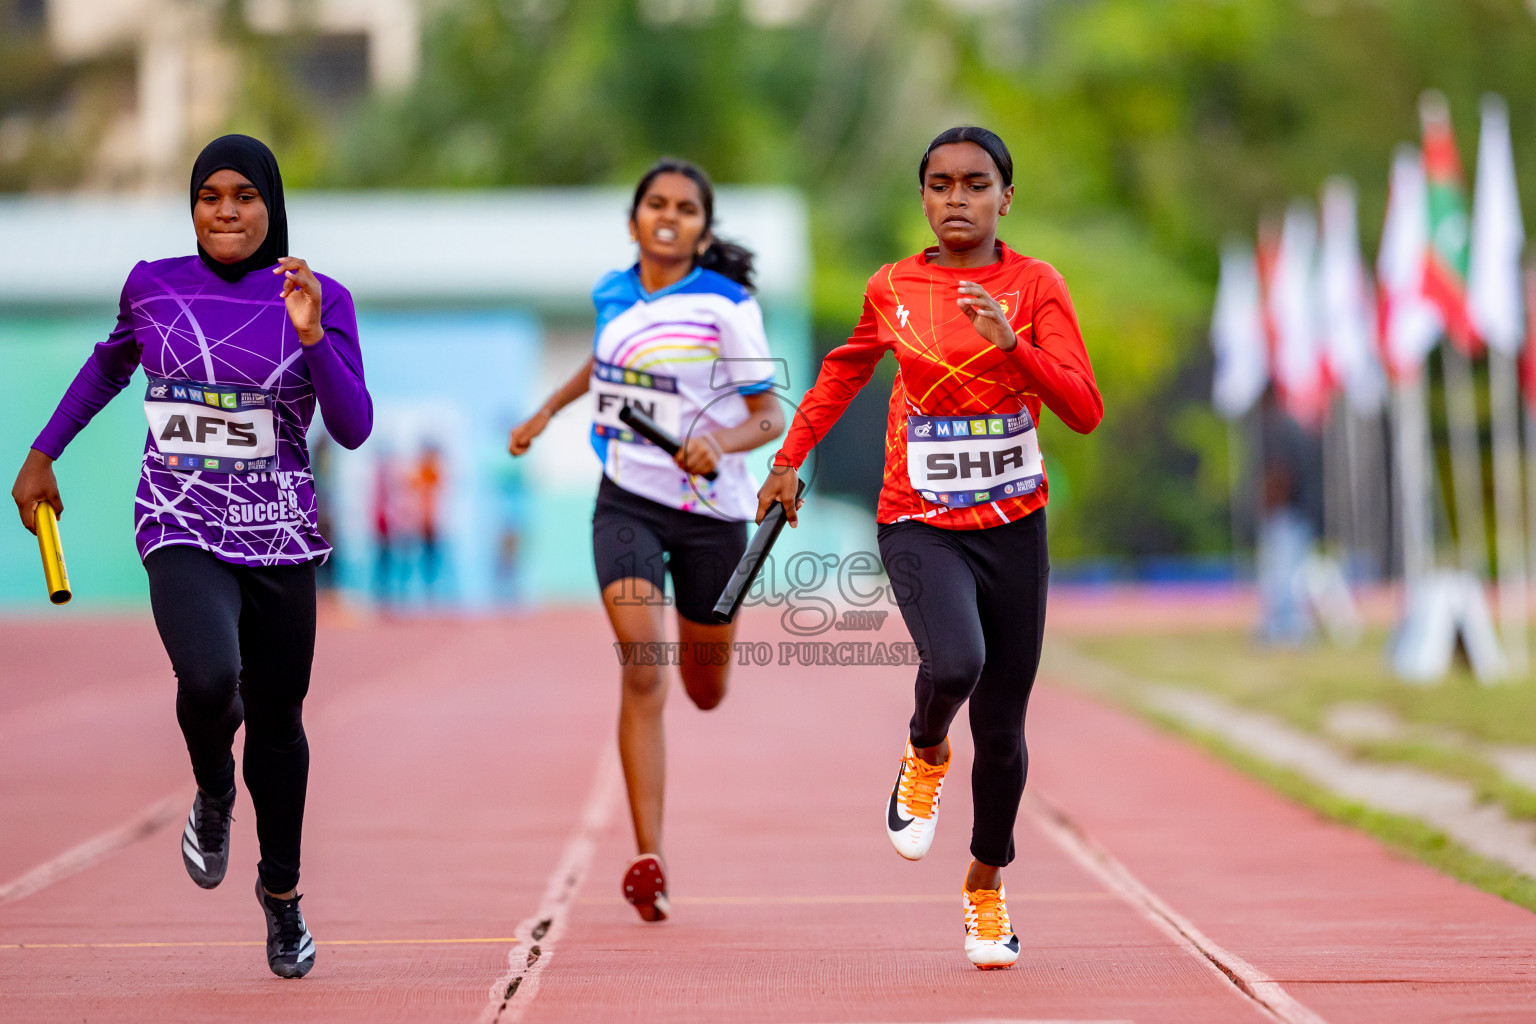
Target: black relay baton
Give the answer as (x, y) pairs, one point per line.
(649, 429)
(752, 560)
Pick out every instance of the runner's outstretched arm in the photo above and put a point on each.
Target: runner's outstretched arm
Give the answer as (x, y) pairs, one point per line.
(844, 371)
(574, 387)
(106, 372)
(1051, 351)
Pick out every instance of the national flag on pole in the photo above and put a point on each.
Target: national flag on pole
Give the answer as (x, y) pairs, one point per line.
(1446, 266)
(1528, 353)
(1409, 324)
(1347, 305)
(1493, 283)
(1267, 251)
(1299, 370)
(1237, 334)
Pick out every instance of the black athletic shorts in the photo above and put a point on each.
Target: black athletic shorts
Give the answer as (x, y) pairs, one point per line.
(635, 537)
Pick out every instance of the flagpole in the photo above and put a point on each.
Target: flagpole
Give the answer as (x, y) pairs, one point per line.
(1356, 467)
(1410, 421)
(1445, 285)
(1466, 460)
(1235, 478)
(1241, 373)
(1348, 323)
(1530, 491)
(1335, 538)
(1379, 516)
(1504, 399)
(1528, 278)
(1493, 314)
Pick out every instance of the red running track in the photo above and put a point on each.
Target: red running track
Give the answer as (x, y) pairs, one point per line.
(463, 794)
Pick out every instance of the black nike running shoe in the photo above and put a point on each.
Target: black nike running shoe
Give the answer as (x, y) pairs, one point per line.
(205, 840)
(290, 947)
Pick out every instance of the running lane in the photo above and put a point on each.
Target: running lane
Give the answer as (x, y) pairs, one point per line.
(459, 800)
(789, 904)
(449, 762)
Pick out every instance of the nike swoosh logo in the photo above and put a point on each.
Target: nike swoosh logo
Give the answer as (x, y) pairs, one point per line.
(893, 819)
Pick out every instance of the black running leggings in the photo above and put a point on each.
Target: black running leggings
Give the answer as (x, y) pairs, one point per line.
(241, 640)
(974, 601)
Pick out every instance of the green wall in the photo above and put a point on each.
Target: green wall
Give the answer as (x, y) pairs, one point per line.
(97, 475)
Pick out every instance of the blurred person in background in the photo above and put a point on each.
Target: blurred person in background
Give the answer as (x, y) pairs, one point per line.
(427, 484)
(385, 526)
(239, 343)
(982, 336)
(512, 514)
(1291, 511)
(665, 327)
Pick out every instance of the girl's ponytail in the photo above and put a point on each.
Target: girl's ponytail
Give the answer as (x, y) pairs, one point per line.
(729, 260)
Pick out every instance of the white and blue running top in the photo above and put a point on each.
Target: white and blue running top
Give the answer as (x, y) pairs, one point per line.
(684, 355)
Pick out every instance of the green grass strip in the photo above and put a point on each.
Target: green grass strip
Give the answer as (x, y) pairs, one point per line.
(1487, 781)
(1404, 834)
(1300, 687)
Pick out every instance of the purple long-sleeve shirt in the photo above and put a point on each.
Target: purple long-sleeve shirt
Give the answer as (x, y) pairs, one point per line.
(188, 328)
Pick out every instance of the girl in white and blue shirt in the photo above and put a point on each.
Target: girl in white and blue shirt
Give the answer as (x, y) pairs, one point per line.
(680, 337)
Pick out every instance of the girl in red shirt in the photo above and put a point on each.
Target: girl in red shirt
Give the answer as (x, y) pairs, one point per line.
(983, 337)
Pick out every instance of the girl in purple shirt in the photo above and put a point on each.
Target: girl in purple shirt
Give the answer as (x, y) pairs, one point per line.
(239, 344)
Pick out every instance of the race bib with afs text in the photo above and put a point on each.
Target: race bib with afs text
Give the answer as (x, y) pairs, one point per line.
(215, 428)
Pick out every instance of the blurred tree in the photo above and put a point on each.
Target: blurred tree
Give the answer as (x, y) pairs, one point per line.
(1142, 133)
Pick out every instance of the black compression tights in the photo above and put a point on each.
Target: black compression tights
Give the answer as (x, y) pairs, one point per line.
(241, 640)
(974, 601)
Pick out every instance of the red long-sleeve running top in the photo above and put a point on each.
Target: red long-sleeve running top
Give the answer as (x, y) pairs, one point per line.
(946, 368)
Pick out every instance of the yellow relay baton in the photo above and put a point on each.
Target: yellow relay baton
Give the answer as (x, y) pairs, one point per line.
(48, 543)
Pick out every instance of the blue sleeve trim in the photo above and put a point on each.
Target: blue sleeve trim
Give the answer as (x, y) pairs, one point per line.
(711, 282)
(611, 296)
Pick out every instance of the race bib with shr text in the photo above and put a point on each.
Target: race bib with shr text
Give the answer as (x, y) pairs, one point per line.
(970, 460)
(614, 387)
(217, 428)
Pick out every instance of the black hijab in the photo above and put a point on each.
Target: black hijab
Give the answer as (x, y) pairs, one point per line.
(250, 157)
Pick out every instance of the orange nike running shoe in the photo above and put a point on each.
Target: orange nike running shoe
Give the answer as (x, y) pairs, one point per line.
(989, 939)
(913, 811)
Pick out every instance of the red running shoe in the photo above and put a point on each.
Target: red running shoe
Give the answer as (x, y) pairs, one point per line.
(645, 887)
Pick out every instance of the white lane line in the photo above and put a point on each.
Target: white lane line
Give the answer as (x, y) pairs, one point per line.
(866, 898)
(536, 936)
(1266, 993)
(98, 848)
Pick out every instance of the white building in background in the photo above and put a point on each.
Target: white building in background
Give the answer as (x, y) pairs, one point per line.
(185, 78)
